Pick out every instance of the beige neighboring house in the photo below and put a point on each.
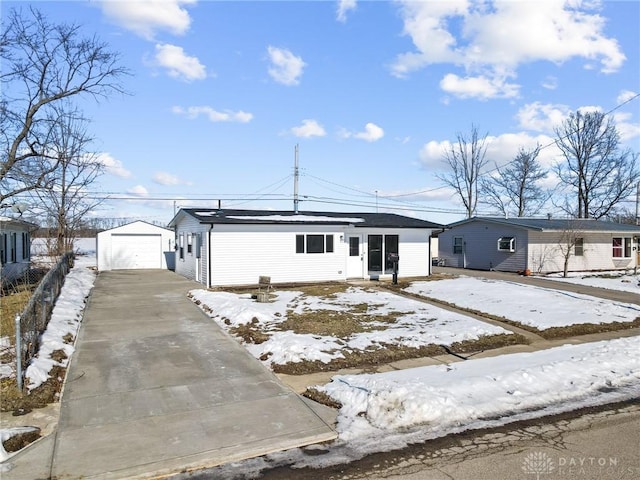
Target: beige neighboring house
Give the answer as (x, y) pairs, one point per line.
(539, 244)
(15, 248)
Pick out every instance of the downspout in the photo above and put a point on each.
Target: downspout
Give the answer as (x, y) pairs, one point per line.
(209, 256)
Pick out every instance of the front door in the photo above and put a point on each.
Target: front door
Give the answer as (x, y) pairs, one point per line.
(355, 258)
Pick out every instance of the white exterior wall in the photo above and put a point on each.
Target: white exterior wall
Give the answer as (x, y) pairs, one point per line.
(546, 256)
(193, 265)
(240, 254)
(104, 255)
(16, 245)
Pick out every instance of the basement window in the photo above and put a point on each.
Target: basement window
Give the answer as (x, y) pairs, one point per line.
(507, 244)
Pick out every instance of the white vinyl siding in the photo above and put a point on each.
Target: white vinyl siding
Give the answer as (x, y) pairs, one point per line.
(194, 261)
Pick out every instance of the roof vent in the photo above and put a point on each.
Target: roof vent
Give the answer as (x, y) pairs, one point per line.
(548, 216)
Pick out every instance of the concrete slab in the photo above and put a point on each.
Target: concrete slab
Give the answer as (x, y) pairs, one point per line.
(155, 387)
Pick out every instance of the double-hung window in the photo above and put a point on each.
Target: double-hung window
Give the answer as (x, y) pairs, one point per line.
(621, 247)
(578, 247)
(458, 243)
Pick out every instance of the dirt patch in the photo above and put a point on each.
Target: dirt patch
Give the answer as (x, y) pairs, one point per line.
(21, 440)
(17, 402)
(321, 397)
(250, 332)
(371, 358)
(587, 328)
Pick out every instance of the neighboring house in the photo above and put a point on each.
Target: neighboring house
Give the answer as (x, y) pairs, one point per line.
(235, 247)
(539, 245)
(137, 245)
(15, 248)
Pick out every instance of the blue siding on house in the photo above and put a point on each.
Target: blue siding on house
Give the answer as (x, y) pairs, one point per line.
(480, 247)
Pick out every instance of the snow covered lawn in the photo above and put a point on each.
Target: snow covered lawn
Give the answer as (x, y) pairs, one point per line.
(614, 280)
(444, 399)
(540, 308)
(297, 327)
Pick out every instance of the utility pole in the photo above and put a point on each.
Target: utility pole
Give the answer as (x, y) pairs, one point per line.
(295, 181)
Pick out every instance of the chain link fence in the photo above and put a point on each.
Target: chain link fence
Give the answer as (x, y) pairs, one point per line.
(33, 320)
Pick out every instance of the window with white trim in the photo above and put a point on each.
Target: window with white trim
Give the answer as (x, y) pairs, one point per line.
(458, 243)
(621, 247)
(181, 245)
(578, 247)
(313, 243)
(507, 244)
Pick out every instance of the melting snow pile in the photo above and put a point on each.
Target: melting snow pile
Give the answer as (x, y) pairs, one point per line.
(446, 398)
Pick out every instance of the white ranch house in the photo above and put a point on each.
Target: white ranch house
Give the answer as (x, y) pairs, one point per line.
(235, 247)
(537, 244)
(15, 248)
(136, 245)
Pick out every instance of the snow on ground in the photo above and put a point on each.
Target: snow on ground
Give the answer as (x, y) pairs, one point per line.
(65, 320)
(537, 307)
(614, 280)
(419, 324)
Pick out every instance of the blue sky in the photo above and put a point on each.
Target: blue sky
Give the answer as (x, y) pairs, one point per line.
(371, 91)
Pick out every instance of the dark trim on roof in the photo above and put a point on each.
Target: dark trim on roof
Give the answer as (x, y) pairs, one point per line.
(554, 224)
(287, 217)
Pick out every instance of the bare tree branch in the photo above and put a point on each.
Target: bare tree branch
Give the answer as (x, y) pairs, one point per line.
(44, 64)
(466, 159)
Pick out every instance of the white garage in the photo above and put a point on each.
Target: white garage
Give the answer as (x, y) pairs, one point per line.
(137, 245)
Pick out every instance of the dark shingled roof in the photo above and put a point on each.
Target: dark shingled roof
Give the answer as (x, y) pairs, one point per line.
(287, 217)
(556, 224)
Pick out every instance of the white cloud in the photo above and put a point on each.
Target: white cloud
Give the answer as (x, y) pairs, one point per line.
(480, 87)
(371, 133)
(213, 115)
(285, 67)
(138, 191)
(167, 179)
(550, 83)
(625, 96)
(309, 128)
(491, 40)
(147, 17)
(626, 128)
(541, 117)
(500, 150)
(178, 63)
(113, 166)
(344, 6)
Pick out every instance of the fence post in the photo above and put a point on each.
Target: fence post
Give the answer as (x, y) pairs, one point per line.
(18, 353)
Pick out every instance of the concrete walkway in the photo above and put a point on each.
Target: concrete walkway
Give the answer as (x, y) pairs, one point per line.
(155, 387)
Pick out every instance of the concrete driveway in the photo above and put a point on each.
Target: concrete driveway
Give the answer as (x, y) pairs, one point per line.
(155, 387)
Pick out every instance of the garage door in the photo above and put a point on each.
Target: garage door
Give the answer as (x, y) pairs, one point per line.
(130, 251)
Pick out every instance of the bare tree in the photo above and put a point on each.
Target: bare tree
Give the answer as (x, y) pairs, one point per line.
(515, 188)
(466, 159)
(600, 173)
(66, 202)
(571, 244)
(44, 64)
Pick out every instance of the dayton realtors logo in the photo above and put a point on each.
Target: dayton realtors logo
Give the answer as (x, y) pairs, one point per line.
(537, 463)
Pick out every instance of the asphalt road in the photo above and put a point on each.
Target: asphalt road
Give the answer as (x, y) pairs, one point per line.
(591, 444)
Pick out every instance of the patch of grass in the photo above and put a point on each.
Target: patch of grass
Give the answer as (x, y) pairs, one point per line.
(587, 328)
(11, 400)
(488, 342)
(321, 397)
(250, 332)
(11, 305)
(21, 440)
(360, 359)
(322, 322)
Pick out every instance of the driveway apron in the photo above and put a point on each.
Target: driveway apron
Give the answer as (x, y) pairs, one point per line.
(155, 387)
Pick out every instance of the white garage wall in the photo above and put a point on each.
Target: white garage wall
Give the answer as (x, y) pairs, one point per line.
(106, 251)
